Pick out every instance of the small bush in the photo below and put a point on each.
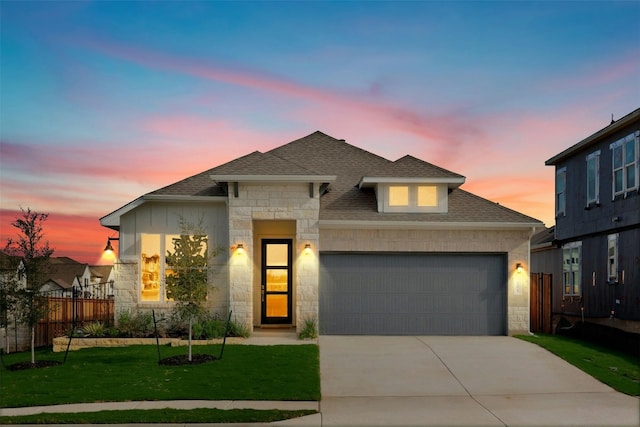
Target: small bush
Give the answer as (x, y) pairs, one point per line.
(309, 329)
(238, 329)
(94, 329)
(135, 325)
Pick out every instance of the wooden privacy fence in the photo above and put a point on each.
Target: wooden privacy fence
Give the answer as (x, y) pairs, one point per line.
(540, 314)
(81, 304)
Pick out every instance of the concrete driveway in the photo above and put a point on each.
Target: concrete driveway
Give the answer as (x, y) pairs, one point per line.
(460, 381)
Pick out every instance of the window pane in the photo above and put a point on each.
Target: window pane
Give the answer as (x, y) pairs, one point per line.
(277, 306)
(629, 152)
(399, 196)
(631, 176)
(591, 179)
(150, 267)
(277, 254)
(427, 196)
(617, 157)
(277, 280)
(617, 179)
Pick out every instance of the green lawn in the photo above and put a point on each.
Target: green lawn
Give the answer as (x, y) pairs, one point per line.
(618, 370)
(132, 373)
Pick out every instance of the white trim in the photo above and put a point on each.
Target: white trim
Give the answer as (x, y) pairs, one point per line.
(273, 178)
(426, 225)
(368, 181)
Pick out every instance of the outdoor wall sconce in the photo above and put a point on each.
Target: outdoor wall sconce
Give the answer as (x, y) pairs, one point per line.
(109, 247)
(519, 268)
(240, 248)
(307, 248)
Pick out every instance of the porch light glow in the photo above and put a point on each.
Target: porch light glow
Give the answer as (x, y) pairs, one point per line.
(307, 248)
(240, 249)
(519, 268)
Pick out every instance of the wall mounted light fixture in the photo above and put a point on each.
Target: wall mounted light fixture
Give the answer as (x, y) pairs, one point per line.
(307, 248)
(519, 268)
(240, 248)
(109, 247)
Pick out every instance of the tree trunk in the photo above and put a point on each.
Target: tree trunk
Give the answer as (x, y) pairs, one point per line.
(190, 325)
(33, 345)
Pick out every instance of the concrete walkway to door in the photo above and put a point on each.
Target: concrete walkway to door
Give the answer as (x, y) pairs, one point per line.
(460, 381)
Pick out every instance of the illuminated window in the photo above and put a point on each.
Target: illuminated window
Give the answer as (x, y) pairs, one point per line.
(153, 266)
(593, 177)
(427, 195)
(571, 264)
(399, 195)
(561, 185)
(625, 164)
(612, 257)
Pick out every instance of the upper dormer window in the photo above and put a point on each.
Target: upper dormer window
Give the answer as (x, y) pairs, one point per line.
(625, 164)
(412, 198)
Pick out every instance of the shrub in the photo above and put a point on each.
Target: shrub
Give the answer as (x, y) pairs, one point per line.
(309, 329)
(94, 329)
(138, 324)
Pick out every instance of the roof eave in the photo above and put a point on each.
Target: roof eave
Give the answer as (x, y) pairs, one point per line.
(368, 181)
(602, 133)
(273, 178)
(429, 225)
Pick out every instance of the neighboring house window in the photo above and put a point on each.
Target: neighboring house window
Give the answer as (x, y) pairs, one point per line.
(593, 178)
(625, 164)
(398, 195)
(612, 257)
(571, 269)
(561, 192)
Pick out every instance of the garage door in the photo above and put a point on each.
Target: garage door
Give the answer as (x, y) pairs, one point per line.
(412, 294)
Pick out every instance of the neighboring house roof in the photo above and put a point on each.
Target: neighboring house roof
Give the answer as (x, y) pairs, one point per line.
(543, 239)
(100, 272)
(321, 158)
(595, 138)
(63, 271)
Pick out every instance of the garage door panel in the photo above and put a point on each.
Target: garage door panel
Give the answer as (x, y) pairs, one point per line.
(410, 294)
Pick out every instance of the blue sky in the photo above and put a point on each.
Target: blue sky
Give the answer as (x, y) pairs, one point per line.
(102, 102)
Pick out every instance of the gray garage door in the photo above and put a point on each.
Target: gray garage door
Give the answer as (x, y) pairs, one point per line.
(412, 294)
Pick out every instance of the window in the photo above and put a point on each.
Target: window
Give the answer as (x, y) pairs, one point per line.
(625, 164)
(427, 195)
(153, 266)
(561, 195)
(399, 195)
(571, 269)
(593, 178)
(612, 258)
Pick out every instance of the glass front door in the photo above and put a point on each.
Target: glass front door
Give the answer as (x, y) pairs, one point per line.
(276, 281)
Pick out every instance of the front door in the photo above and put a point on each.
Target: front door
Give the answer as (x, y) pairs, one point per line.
(276, 281)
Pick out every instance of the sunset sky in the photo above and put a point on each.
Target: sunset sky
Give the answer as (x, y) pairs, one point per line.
(102, 102)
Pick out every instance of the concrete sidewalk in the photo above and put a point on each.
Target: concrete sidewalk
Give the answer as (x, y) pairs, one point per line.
(460, 381)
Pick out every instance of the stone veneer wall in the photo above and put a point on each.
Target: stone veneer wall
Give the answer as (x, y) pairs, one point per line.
(515, 243)
(277, 202)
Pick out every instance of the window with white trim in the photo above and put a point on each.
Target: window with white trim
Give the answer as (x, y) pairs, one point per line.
(153, 266)
(413, 198)
(593, 178)
(561, 192)
(625, 164)
(398, 195)
(571, 263)
(612, 258)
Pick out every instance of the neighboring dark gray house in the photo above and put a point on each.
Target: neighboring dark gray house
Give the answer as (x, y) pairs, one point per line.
(597, 230)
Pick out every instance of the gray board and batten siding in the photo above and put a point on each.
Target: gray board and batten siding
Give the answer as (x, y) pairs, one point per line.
(412, 294)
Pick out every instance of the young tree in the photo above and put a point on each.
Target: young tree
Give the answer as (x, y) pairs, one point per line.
(34, 253)
(186, 281)
(9, 288)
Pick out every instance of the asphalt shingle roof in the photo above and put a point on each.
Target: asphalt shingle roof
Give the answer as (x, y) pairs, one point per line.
(321, 154)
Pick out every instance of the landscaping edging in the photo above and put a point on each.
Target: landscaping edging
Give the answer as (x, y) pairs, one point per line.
(60, 344)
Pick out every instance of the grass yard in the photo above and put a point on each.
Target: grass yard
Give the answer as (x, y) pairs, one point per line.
(160, 416)
(618, 370)
(132, 373)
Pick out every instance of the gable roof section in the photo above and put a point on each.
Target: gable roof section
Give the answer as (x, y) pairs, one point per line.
(409, 169)
(328, 159)
(63, 271)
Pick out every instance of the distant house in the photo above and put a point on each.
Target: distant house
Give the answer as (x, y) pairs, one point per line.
(320, 229)
(597, 232)
(63, 274)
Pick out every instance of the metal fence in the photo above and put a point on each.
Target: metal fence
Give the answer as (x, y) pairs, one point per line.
(77, 305)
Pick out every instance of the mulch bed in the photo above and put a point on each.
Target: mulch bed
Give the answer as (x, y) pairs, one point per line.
(183, 359)
(28, 365)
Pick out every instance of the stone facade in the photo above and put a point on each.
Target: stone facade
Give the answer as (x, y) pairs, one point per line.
(273, 202)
